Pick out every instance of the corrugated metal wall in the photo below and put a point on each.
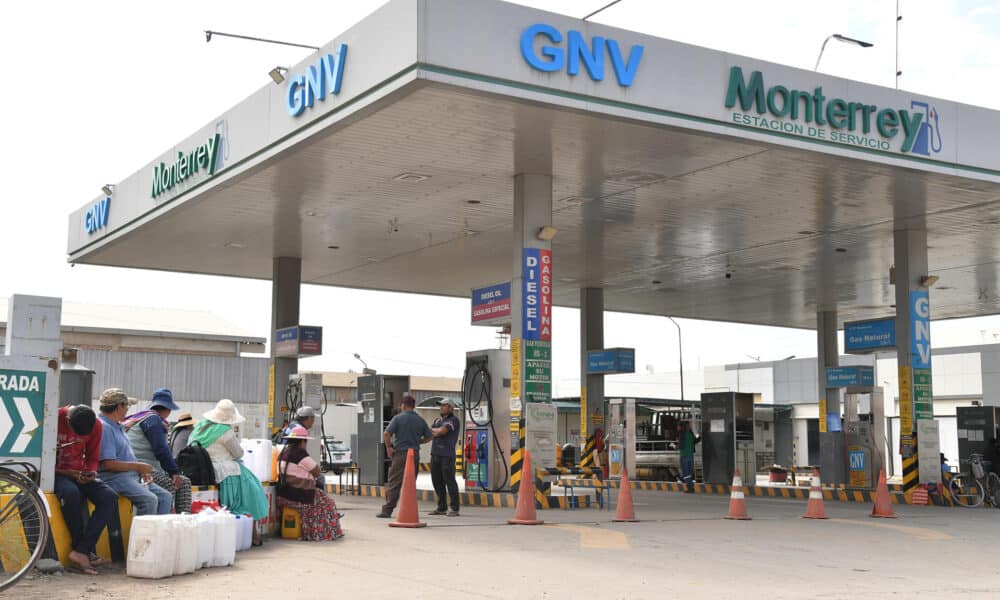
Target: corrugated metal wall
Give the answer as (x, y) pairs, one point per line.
(191, 378)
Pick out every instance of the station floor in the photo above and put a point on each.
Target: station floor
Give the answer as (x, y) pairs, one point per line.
(683, 548)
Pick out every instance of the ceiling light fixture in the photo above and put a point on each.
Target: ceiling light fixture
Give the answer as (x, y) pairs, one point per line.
(333, 247)
(411, 177)
(841, 250)
(928, 280)
(547, 233)
(473, 201)
(235, 245)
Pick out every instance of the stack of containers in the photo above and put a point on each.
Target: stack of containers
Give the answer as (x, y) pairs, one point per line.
(163, 545)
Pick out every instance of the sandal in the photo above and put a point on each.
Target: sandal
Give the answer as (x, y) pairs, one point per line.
(95, 560)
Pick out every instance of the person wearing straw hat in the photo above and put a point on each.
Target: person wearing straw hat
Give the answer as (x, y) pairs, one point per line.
(297, 488)
(181, 432)
(239, 489)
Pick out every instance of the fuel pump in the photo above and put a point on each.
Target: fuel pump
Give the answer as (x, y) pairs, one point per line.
(486, 407)
(864, 427)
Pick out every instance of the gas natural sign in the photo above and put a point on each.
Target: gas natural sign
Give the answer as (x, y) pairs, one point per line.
(809, 113)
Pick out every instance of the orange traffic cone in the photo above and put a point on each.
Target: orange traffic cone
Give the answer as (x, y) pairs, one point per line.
(525, 512)
(626, 512)
(408, 515)
(814, 509)
(883, 506)
(737, 507)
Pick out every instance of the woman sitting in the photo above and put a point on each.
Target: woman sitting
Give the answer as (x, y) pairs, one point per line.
(239, 489)
(297, 473)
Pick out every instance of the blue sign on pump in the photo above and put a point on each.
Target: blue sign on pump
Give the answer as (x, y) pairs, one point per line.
(920, 330)
(838, 377)
(610, 361)
(862, 337)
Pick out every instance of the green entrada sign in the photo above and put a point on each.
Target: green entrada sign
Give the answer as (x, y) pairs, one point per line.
(202, 158)
(810, 113)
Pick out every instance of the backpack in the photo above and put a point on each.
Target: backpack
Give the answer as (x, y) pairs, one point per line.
(195, 463)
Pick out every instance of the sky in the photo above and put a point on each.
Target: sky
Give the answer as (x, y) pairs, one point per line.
(116, 83)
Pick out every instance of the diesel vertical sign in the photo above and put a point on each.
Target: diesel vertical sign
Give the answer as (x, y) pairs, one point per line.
(537, 294)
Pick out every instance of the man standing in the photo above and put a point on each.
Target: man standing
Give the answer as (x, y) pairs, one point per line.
(77, 453)
(119, 467)
(688, 439)
(304, 417)
(406, 431)
(147, 432)
(445, 430)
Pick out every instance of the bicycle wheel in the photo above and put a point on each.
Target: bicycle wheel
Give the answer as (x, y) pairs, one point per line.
(993, 488)
(24, 527)
(966, 491)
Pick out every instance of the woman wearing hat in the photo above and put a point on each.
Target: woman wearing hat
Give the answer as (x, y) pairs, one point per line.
(181, 432)
(239, 489)
(297, 473)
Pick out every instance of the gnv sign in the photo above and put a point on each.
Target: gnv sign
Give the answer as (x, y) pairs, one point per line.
(920, 330)
(96, 216)
(320, 78)
(578, 51)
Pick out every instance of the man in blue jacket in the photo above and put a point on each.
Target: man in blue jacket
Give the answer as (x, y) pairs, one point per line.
(147, 431)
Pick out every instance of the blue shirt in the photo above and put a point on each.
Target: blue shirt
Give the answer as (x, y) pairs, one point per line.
(445, 445)
(407, 429)
(115, 446)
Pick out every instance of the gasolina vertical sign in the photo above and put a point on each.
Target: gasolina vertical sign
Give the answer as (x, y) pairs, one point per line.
(22, 406)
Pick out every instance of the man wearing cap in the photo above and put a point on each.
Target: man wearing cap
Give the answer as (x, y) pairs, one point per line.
(445, 430)
(147, 432)
(406, 431)
(304, 417)
(119, 467)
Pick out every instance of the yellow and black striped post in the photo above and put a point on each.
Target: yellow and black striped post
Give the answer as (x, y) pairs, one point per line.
(587, 456)
(517, 458)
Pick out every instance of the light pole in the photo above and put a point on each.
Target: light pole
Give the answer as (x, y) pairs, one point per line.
(366, 370)
(209, 33)
(840, 38)
(602, 9)
(680, 353)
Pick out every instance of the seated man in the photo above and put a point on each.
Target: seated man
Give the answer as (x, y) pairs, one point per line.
(77, 452)
(119, 468)
(147, 432)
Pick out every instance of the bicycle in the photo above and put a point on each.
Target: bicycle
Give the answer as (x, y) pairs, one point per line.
(972, 490)
(24, 521)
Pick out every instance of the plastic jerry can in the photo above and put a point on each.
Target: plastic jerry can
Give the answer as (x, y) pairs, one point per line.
(244, 532)
(224, 549)
(152, 547)
(206, 525)
(291, 524)
(186, 557)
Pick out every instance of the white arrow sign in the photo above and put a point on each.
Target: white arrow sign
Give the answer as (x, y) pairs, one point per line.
(30, 425)
(6, 423)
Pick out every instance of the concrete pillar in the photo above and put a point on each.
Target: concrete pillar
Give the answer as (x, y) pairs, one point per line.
(286, 280)
(591, 338)
(912, 345)
(531, 309)
(832, 444)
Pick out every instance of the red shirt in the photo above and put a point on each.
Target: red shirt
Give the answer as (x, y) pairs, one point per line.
(85, 453)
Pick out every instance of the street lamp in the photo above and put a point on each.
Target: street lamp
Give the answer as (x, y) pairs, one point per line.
(680, 354)
(840, 38)
(366, 370)
(209, 34)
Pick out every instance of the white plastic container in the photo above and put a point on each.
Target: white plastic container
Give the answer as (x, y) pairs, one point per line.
(152, 546)
(224, 553)
(257, 457)
(186, 556)
(205, 523)
(244, 532)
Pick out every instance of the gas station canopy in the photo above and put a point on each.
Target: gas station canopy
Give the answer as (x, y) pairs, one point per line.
(686, 181)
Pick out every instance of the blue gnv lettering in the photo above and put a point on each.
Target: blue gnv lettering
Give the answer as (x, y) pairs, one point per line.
(578, 53)
(96, 216)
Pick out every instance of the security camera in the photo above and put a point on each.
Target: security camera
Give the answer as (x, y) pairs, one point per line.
(208, 36)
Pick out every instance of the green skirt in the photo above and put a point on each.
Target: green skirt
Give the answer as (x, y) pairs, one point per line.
(243, 494)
